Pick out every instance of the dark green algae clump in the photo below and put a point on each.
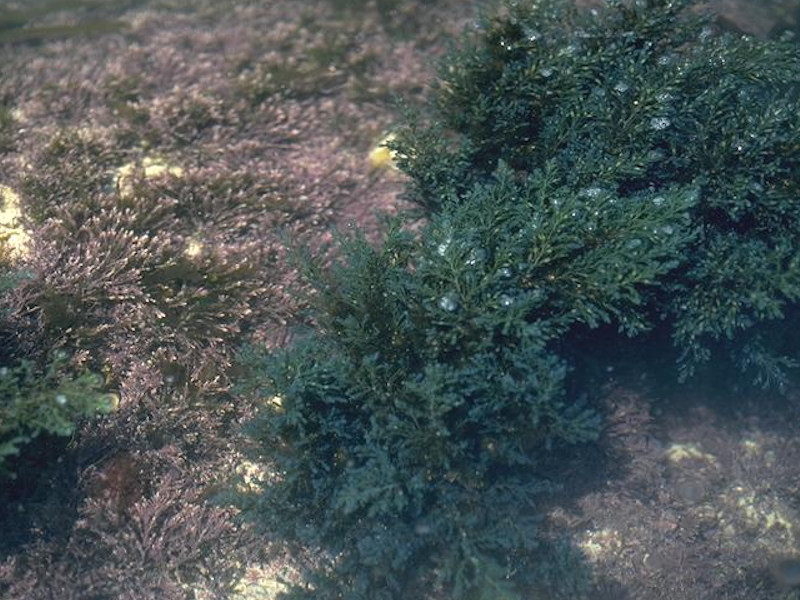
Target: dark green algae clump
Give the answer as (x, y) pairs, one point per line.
(648, 101)
(587, 179)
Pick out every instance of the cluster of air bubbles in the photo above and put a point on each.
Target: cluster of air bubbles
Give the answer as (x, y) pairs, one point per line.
(441, 249)
(739, 147)
(621, 87)
(590, 223)
(659, 123)
(706, 33)
(664, 97)
(505, 272)
(3, 371)
(658, 200)
(633, 244)
(476, 255)
(448, 303)
(754, 187)
(569, 50)
(546, 72)
(667, 230)
(593, 192)
(506, 300)
(666, 60)
(61, 399)
(532, 35)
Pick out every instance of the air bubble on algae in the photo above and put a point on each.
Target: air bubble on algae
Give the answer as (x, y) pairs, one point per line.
(448, 303)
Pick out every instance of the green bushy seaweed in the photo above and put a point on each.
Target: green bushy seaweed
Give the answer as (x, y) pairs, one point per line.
(409, 428)
(626, 170)
(38, 397)
(33, 403)
(643, 97)
(36, 401)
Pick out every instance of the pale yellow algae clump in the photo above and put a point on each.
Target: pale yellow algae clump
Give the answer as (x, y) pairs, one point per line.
(381, 157)
(679, 452)
(150, 168)
(251, 476)
(596, 544)
(751, 447)
(758, 512)
(112, 400)
(753, 450)
(194, 248)
(258, 584)
(12, 235)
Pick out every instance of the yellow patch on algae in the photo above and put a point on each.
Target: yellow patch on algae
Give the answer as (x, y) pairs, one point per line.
(276, 402)
(12, 235)
(760, 513)
(751, 447)
(745, 502)
(680, 452)
(776, 519)
(597, 543)
(252, 475)
(150, 168)
(194, 248)
(257, 583)
(112, 400)
(381, 157)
